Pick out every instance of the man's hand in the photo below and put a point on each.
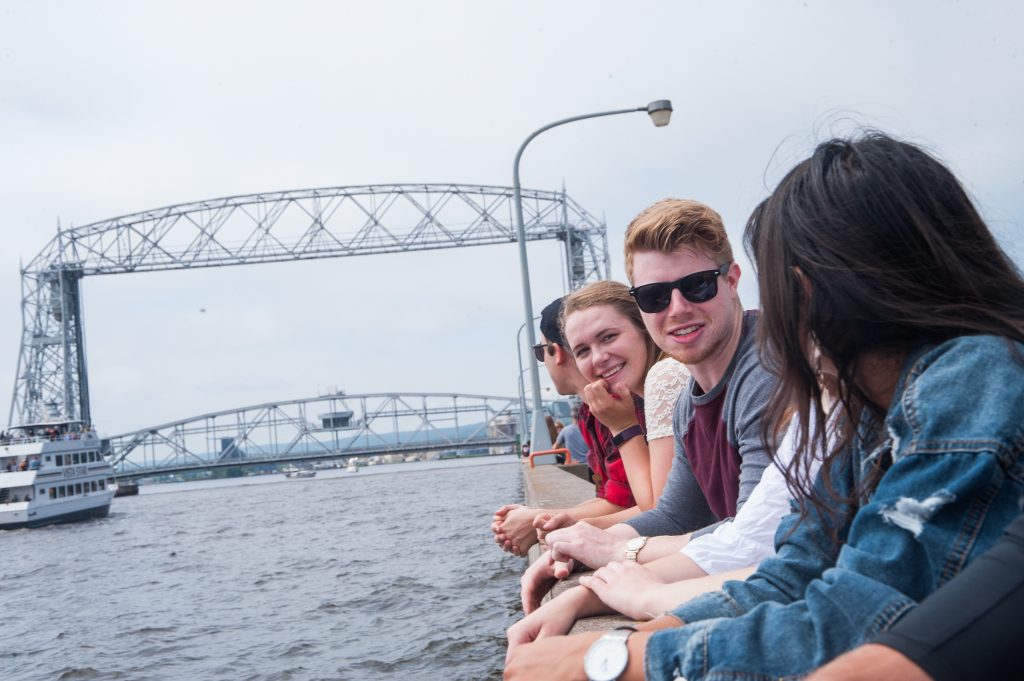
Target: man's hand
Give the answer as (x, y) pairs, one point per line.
(538, 580)
(555, 657)
(586, 544)
(612, 405)
(627, 587)
(513, 529)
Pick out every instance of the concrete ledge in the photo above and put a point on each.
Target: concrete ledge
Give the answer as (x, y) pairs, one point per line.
(552, 486)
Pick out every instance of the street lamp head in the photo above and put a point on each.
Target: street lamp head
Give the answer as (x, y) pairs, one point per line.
(660, 112)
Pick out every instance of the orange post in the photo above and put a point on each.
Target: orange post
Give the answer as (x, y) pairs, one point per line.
(544, 452)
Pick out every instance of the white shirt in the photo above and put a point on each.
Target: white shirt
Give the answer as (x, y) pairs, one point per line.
(749, 538)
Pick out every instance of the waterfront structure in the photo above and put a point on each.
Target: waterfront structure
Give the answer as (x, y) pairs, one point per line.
(305, 224)
(53, 472)
(318, 429)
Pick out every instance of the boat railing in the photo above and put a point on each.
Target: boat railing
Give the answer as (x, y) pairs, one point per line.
(30, 439)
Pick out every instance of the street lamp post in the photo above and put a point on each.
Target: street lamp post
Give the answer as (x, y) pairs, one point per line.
(660, 112)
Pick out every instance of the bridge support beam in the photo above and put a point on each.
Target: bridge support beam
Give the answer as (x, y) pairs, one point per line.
(52, 378)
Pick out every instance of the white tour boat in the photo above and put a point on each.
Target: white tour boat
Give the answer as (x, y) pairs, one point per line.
(53, 473)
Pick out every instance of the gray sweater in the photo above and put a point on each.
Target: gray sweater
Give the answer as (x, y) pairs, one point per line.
(747, 386)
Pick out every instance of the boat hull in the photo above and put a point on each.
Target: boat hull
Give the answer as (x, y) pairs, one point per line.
(38, 517)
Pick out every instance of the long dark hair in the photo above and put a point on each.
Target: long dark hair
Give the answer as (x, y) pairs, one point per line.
(868, 246)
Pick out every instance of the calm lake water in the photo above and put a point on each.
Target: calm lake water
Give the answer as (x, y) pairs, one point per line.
(385, 573)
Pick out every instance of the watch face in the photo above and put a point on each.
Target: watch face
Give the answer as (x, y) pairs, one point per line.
(606, 659)
(635, 543)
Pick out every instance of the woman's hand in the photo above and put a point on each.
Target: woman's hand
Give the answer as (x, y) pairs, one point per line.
(612, 405)
(628, 587)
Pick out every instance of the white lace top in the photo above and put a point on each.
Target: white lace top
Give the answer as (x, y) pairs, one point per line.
(664, 382)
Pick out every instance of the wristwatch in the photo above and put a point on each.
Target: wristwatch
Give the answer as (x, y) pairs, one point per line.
(627, 434)
(633, 547)
(608, 656)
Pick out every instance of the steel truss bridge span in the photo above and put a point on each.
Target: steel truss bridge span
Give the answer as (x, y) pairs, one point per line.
(260, 228)
(317, 429)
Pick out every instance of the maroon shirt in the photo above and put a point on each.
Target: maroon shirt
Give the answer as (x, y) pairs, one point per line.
(717, 468)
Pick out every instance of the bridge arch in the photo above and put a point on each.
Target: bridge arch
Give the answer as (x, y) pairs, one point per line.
(52, 377)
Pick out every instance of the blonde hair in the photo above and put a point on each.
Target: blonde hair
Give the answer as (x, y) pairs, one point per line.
(671, 224)
(616, 295)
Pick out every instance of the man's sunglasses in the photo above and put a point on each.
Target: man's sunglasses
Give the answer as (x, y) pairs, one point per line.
(538, 350)
(699, 287)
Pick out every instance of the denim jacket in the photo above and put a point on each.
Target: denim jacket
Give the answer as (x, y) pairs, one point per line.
(955, 433)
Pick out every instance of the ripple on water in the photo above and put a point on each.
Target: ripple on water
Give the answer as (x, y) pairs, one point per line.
(346, 578)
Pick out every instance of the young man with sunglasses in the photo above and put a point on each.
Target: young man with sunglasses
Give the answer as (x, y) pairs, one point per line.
(513, 524)
(685, 283)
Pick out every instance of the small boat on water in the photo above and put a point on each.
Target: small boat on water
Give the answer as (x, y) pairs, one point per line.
(293, 472)
(53, 472)
(352, 466)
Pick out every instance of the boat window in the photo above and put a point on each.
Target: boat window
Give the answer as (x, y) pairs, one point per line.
(61, 491)
(74, 458)
(78, 488)
(103, 484)
(53, 492)
(60, 460)
(95, 487)
(47, 457)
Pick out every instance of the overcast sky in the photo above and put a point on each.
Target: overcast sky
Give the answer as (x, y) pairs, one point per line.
(108, 108)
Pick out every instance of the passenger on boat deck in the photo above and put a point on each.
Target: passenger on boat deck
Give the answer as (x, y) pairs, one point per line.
(613, 355)
(871, 252)
(680, 260)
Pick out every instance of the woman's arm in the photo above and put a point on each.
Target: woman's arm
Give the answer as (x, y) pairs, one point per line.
(664, 383)
(662, 454)
(515, 529)
(613, 406)
(638, 591)
(636, 459)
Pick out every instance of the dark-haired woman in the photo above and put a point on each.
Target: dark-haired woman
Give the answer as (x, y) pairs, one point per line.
(871, 252)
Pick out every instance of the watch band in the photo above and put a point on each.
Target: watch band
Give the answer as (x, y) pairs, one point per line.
(639, 543)
(627, 434)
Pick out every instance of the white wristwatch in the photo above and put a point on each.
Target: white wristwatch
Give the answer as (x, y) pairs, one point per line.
(633, 547)
(608, 656)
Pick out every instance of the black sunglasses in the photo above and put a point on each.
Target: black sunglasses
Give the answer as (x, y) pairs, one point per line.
(699, 287)
(538, 350)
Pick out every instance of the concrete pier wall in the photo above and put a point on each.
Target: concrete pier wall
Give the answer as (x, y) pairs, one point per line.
(551, 486)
